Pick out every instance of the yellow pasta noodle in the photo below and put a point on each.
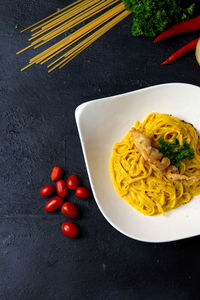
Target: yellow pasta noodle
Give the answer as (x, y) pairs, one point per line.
(102, 15)
(148, 191)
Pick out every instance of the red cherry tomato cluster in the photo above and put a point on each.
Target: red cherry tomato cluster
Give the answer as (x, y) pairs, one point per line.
(70, 210)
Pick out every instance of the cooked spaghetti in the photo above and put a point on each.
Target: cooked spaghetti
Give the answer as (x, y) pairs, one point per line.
(144, 188)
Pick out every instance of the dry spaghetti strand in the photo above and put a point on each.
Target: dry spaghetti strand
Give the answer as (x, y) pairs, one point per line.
(86, 43)
(72, 41)
(57, 12)
(70, 14)
(67, 18)
(68, 25)
(78, 34)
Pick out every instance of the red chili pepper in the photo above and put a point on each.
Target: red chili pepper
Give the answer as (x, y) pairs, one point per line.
(183, 27)
(184, 50)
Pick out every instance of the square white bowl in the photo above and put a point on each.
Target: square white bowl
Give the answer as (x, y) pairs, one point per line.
(101, 123)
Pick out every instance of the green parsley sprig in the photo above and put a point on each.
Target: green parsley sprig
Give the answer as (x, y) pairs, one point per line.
(175, 152)
(154, 16)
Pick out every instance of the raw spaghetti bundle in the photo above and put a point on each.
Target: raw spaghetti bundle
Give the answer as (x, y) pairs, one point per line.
(67, 18)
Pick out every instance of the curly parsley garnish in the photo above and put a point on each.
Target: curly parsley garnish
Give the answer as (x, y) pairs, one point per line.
(154, 16)
(175, 152)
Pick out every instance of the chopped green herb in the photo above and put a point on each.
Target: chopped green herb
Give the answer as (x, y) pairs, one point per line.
(16, 26)
(154, 16)
(174, 152)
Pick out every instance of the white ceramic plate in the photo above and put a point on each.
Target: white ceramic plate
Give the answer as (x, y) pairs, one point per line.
(101, 123)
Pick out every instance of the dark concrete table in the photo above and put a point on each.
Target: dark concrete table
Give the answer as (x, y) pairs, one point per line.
(38, 131)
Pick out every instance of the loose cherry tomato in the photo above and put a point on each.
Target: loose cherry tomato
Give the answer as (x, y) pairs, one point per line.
(72, 182)
(61, 188)
(82, 192)
(56, 173)
(47, 190)
(70, 229)
(70, 210)
(53, 204)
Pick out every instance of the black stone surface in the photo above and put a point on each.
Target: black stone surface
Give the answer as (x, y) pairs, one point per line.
(38, 131)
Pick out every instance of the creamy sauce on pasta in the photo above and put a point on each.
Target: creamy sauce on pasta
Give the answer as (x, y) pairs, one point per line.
(148, 191)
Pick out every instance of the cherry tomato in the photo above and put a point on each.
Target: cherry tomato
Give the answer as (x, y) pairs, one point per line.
(47, 190)
(82, 192)
(70, 229)
(70, 210)
(56, 173)
(72, 182)
(61, 188)
(53, 204)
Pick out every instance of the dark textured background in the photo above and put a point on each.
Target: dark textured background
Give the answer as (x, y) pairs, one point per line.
(38, 131)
